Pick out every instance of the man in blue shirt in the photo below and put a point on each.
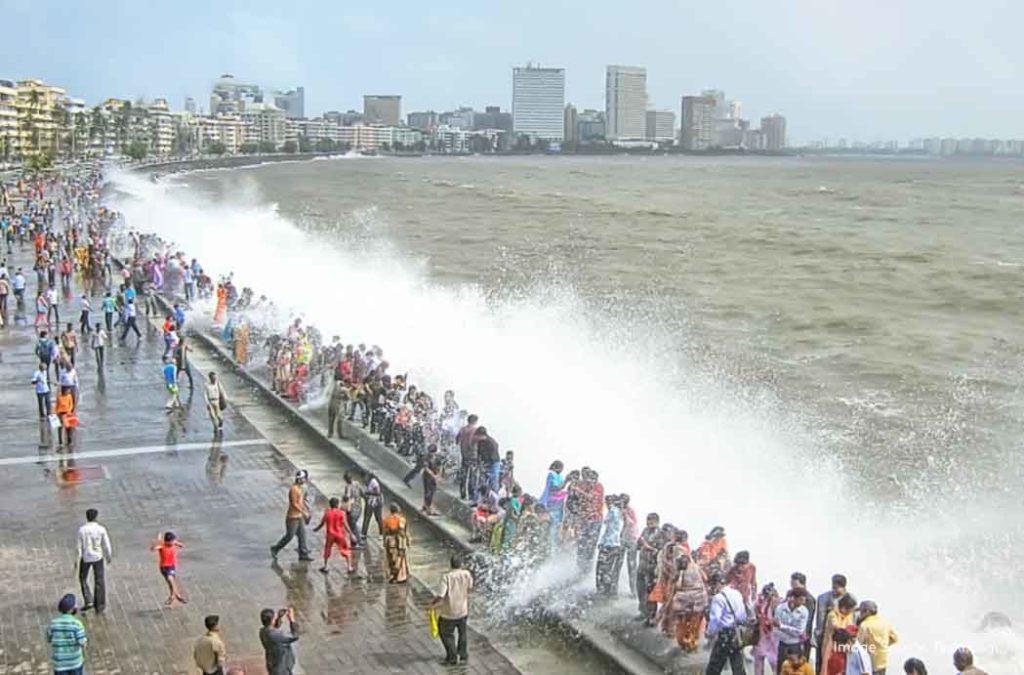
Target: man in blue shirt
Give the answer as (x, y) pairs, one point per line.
(725, 616)
(66, 636)
(171, 380)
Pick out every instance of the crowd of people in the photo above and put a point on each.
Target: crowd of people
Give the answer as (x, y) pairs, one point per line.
(687, 590)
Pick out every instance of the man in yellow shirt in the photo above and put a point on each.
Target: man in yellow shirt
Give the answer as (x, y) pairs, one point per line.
(209, 652)
(877, 635)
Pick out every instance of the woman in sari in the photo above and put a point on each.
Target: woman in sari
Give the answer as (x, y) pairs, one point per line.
(713, 553)
(686, 609)
(222, 304)
(396, 545)
(838, 618)
(676, 547)
(767, 646)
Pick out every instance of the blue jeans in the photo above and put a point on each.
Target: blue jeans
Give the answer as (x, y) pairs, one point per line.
(74, 671)
(493, 471)
(556, 510)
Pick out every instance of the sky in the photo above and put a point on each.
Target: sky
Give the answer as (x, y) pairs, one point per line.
(857, 69)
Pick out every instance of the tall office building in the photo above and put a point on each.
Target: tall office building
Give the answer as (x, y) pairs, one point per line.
(538, 102)
(773, 128)
(382, 109)
(571, 124)
(190, 105)
(697, 123)
(661, 125)
(293, 102)
(625, 98)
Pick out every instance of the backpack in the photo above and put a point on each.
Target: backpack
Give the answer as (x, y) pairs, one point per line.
(43, 350)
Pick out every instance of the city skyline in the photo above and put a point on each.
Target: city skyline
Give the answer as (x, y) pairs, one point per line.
(842, 71)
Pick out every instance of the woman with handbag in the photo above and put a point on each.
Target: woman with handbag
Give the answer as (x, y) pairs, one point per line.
(216, 402)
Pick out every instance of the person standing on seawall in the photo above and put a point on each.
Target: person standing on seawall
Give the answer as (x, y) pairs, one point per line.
(876, 634)
(94, 553)
(452, 602)
(725, 616)
(277, 643)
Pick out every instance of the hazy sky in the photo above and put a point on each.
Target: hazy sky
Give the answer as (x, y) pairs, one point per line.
(863, 69)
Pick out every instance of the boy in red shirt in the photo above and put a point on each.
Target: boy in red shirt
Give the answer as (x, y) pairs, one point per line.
(167, 545)
(335, 519)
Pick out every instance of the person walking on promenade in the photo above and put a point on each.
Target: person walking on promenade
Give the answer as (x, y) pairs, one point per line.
(452, 602)
(278, 654)
(94, 553)
(170, 372)
(335, 519)
(52, 306)
(396, 545)
(18, 286)
(725, 615)
(40, 379)
(296, 517)
(65, 411)
(129, 321)
(67, 639)
(42, 310)
(876, 634)
(374, 506)
(69, 343)
(167, 545)
(216, 402)
(5, 290)
(353, 493)
(98, 341)
(181, 359)
(109, 307)
(83, 319)
(209, 652)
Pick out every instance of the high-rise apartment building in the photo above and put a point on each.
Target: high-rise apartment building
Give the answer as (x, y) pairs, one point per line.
(661, 125)
(625, 96)
(382, 109)
(773, 128)
(571, 124)
(697, 122)
(292, 102)
(231, 96)
(538, 102)
(10, 143)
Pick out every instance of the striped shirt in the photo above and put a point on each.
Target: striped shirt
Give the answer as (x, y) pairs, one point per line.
(66, 635)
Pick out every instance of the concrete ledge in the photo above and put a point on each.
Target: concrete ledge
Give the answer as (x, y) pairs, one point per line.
(619, 656)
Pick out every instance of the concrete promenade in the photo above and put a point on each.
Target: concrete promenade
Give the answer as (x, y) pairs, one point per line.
(148, 471)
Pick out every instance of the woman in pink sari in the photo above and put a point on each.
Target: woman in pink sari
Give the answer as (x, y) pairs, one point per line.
(767, 645)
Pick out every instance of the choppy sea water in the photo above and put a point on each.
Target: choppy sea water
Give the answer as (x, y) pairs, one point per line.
(822, 355)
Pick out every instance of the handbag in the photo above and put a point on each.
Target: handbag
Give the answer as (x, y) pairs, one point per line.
(435, 630)
(743, 634)
(54, 421)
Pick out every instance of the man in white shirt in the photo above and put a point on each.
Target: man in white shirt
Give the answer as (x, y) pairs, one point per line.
(725, 615)
(93, 551)
(452, 603)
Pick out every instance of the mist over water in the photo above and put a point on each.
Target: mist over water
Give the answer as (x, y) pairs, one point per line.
(591, 311)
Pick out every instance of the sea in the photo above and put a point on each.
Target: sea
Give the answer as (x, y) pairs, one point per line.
(822, 355)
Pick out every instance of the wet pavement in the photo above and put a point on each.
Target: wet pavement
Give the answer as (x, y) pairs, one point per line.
(148, 471)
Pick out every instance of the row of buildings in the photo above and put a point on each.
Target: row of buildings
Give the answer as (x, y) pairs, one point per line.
(706, 122)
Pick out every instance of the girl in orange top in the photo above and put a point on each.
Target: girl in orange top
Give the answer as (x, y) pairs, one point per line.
(65, 411)
(167, 545)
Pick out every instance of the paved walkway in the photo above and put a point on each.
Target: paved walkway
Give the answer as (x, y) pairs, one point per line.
(224, 500)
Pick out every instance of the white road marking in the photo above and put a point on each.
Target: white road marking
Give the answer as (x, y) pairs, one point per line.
(124, 452)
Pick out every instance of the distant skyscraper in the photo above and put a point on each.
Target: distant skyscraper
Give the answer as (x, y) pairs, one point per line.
(697, 122)
(625, 96)
(590, 126)
(231, 96)
(774, 130)
(571, 124)
(293, 102)
(493, 118)
(721, 105)
(424, 121)
(382, 109)
(661, 125)
(190, 105)
(538, 102)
